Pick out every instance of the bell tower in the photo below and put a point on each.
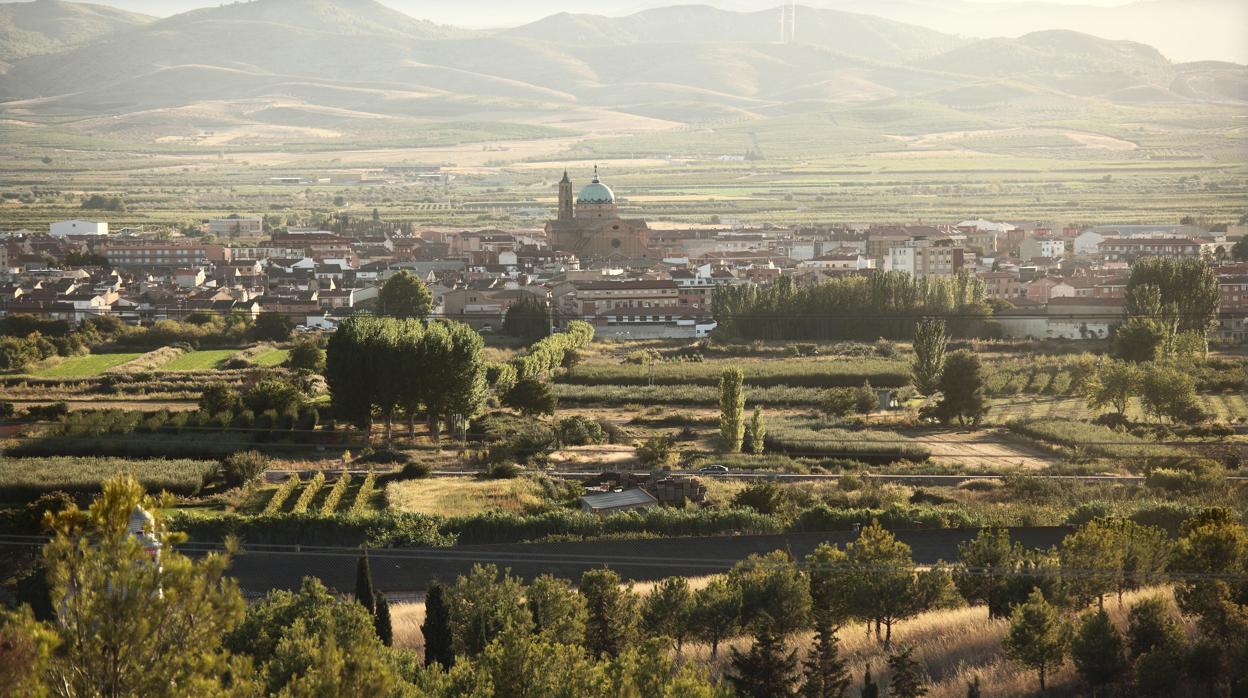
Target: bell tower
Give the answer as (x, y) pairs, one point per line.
(566, 212)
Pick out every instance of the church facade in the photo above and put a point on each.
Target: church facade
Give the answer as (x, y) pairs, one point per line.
(591, 228)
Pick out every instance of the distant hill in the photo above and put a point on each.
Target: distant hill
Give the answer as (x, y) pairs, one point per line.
(47, 26)
(333, 67)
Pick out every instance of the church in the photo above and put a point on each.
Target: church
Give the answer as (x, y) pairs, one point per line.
(591, 227)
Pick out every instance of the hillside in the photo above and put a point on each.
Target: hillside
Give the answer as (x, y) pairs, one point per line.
(327, 69)
(47, 26)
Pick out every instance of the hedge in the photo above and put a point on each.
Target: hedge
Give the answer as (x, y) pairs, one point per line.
(807, 373)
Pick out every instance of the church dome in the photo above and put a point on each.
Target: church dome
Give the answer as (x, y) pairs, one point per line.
(596, 193)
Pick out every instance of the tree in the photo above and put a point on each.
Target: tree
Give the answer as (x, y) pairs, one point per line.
(1151, 625)
(716, 613)
(519, 665)
(1097, 650)
(1158, 672)
(961, 390)
(272, 327)
(1138, 340)
(1180, 295)
(612, 620)
(884, 587)
(870, 689)
(483, 605)
(1146, 552)
(1169, 393)
(831, 587)
(766, 670)
(352, 368)
(984, 567)
(381, 620)
(364, 592)
(825, 674)
(243, 467)
(773, 591)
(559, 612)
(763, 497)
(218, 398)
(1092, 562)
(1114, 385)
(1038, 637)
(531, 397)
(1239, 251)
(404, 295)
(527, 318)
(904, 680)
(732, 409)
(1211, 566)
(755, 434)
(436, 629)
(306, 356)
(129, 607)
(865, 399)
(930, 342)
(657, 452)
(667, 609)
(26, 647)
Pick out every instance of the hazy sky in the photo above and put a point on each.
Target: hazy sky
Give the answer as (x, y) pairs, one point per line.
(485, 13)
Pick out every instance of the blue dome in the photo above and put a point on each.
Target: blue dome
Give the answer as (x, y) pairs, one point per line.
(596, 193)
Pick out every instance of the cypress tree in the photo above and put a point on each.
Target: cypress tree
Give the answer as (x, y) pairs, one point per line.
(904, 681)
(437, 628)
(381, 620)
(364, 584)
(825, 673)
(870, 689)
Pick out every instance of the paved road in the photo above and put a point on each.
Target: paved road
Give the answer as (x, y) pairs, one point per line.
(411, 570)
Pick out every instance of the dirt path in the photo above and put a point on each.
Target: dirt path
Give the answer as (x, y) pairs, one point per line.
(987, 449)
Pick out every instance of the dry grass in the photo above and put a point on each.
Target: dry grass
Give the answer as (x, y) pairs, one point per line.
(456, 496)
(150, 361)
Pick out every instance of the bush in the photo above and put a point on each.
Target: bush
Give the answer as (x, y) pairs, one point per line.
(384, 456)
(579, 431)
(415, 471)
(243, 467)
(306, 356)
(658, 452)
(501, 471)
(765, 498)
(840, 402)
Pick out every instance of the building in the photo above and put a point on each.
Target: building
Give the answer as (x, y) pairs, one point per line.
(62, 229)
(158, 254)
(1041, 248)
(591, 227)
(1130, 249)
(236, 226)
(919, 258)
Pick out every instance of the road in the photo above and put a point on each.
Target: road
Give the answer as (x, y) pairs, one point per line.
(412, 569)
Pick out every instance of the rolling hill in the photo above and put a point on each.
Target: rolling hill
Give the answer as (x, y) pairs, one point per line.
(47, 26)
(329, 68)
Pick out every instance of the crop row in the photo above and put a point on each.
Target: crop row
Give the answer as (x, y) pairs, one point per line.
(805, 373)
(24, 479)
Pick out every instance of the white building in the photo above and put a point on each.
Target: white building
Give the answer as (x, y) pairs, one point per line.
(78, 227)
(1041, 248)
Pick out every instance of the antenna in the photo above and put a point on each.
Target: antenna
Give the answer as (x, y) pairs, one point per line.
(788, 21)
(793, 22)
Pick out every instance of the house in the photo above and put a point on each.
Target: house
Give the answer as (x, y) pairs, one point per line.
(1130, 249)
(604, 503)
(236, 225)
(62, 229)
(1041, 248)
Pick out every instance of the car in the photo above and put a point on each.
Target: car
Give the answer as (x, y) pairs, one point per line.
(713, 470)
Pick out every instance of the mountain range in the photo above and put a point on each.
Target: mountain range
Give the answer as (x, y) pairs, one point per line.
(319, 68)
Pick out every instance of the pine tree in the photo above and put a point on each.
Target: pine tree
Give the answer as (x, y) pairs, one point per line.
(904, 681)
(825, 675)
(381, 620)
(765, 671)
(364, 584)
(437, 628)
(732, 409)
(870, 689)
(1038, 637)
(1097, 649)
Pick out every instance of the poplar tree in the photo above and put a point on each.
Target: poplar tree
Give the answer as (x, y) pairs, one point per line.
(732, 409)
(930, 341)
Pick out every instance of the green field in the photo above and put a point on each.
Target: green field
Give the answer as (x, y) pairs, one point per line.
(1225, 408)
(27, 478)
(274, 357)
(85, 366)
(199, 360)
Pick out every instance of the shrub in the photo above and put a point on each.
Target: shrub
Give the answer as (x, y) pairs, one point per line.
(330, 505)
(579, 431)
(415, 471)
(501, 471)
(281, 494)
(658, 452)
(840, 402)
(865, 399)
(309, 493)
(306, 356)
(243, 467)
(765, 498)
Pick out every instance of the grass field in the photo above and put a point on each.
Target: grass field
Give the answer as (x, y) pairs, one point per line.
(1225, 408)
(199, 360)
(273, 357)
(86, 366)
(462, 496)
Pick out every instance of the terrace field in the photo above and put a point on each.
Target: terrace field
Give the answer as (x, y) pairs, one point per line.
(86, 366)
(199, 360)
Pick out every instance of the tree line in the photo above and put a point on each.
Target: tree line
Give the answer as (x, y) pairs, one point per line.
(863, 308)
